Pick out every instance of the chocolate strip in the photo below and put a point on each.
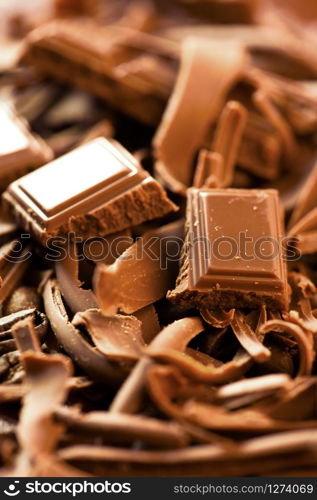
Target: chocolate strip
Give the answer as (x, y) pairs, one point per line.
(209, 281)
(125, 428)
(104, 191)
(227, 138)
(191, 112)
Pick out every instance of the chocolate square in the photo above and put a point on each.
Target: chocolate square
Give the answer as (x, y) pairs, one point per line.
(233, 255)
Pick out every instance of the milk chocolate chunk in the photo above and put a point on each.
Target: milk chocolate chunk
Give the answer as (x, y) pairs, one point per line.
(108, 62)
(97, 189)
(218, 269)
(20, 150)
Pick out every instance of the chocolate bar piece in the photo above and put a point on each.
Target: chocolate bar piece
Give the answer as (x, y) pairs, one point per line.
(97, 189)
(20, 151)
(232, 255)
(108, 62)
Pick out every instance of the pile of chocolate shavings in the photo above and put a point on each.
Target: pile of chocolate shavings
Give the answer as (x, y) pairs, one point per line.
(156, 388)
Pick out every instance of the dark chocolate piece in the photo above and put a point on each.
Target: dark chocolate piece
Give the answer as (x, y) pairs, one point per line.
(234, 276)
(87, 357)
(97, 189)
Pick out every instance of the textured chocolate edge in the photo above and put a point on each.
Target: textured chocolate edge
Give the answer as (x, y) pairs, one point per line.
(217, 299)
(144, 202)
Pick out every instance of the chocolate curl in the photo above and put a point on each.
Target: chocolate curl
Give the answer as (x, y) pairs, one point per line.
(306, 200)
(246, 421)
(227, 138)
(306, 352)
(129, 397)
(170, 348)
(248, 338)
(300, 309)
(46, 379)
(208, 71)
(178, 334)
(218, 319)
(123, 428)
(118, 337)
(169, 388)
(150, 322)
(82, 353)
(263, 103)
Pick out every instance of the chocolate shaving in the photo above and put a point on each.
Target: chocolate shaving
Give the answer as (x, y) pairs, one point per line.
(25, 336)
(279, 123)
(266, 383)
(66, 270)
(306, 352)
(227, 138)
(130, 395)
(139, 269)
(280, 443)
(118, 337)
(87, 357)
(125, 428)
(306, 199)
(150, 323)
(242, 421)
(248, 338)
(184, 126)
(169, 347)
(46, 377)
(208, 170)
(218, 319)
